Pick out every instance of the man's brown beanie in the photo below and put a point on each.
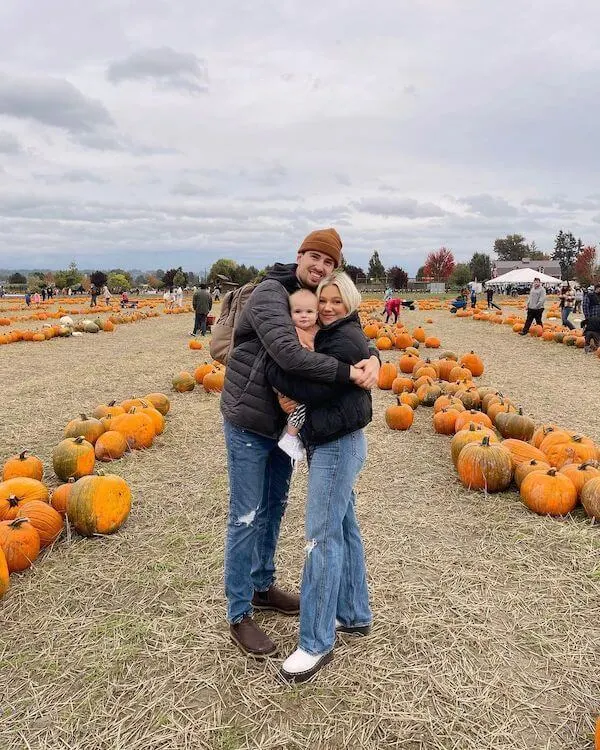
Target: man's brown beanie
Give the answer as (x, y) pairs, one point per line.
(325, 241)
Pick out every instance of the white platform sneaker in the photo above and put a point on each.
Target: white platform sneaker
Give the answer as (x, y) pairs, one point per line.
(302, 666)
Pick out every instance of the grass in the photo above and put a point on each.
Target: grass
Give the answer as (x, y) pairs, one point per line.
(487, 628)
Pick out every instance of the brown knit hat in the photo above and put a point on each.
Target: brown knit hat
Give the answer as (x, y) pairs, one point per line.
(326, 241)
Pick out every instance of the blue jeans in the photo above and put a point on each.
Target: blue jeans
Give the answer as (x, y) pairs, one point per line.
(259, 480)
(565, 312)
(334, 581)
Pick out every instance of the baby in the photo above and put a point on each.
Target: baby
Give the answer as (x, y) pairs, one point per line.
(304, 310)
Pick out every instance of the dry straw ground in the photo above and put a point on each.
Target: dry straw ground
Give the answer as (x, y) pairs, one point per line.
(487, 617)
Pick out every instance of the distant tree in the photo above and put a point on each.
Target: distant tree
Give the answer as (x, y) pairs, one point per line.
(222, 267)
(159, 273)
(35, 282)
(565, 252)
(180, 278)
(98, 279)
(72, 277)
(461, 275)
(242, 275)
(585, 266)
(535, 254)
(354, 272)
(193, 279)
(49, 278)
(439, 264)
(123, 272)
(169, 276)
(511, 247)
(17, 278)
(397, 277)
(481, 267)
(420, 273)
(154, 281)
(376, 269)
(342, 265)
(118, 282)
(141, 278)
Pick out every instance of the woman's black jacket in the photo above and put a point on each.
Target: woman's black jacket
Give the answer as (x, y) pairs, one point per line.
(333, 409)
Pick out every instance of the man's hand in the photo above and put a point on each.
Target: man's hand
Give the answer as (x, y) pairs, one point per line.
(287, 404)
(365, 373)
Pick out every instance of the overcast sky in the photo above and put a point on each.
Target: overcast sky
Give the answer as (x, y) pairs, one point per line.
(152, 133)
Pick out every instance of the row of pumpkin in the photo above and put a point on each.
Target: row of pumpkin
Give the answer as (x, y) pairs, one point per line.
(493, 442)
(210, 375)
(32, 516)
(66, 327)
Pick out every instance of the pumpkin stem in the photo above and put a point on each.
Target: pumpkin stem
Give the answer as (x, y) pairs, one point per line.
(13, 501)
(18, 521)
(83, 417)
(552, 472)
(22, 455)
(79, 439)
(486, 441)
(112, 403)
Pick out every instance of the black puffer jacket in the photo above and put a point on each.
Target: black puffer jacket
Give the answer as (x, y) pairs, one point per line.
(265, 330)
(334, 410)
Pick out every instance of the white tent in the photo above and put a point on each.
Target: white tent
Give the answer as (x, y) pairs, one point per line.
(523, 276)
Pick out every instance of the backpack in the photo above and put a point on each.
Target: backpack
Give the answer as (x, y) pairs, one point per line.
(222, 331)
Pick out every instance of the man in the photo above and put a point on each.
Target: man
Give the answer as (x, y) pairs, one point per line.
(591, 302)
(489, 292)
(591, 330)
(259, 471)
(535, 306)
(202, 304)
(392, 307)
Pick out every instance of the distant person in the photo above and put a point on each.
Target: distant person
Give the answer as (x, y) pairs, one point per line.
(217, 294)
(36, 299)
(591, 332)
(392, 307)
(473, 297)
(107, 295)
(460, 302)
(50, 291)
(202, 304)
(567, 303)
(578, 299)
(535, 305)
(591, 302)
(489, 293)
(94, 295)
(28, 298)
(43, 294)
(179, 296)
(124, 299)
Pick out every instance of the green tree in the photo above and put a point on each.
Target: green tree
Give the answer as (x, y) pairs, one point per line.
(35, 281)
(376, 269)
(123, 272)
(180, 278)
(154, 281)
(397, 277)
(17, 278)
(480, 266)
(141, 278)
(461, 275)
(159, 273)
(566, 252)
(420, 273)
(511, 247)
(222, 267)
(242, 274)
(98, 279)
(118, 282)
(71, 277)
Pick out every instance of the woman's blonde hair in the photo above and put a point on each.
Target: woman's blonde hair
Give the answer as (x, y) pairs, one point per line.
(348, 292)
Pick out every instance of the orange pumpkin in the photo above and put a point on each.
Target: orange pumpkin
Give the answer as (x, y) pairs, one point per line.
(44, 518)
(214, 381)
(99, 504)
(525, 468)
(432, 342)
(20, 542)
(419, 335)
(399, 416)
(160, 402)
(576, 449)
(387, 375)
(89, 429)
(4, 573)
(549, 493)
(485, 466)
(580, 474)
(111, 409)
(473, 416)
(137, 429)
(23, 465)
(201, 371)
(590, 498)
(401, 384)
(444, 421)
(410, 399)
(110, 446)
(16, 492)
(60, 496)
(473, 434)
(522, 452)
(473, 363)
(195, 344)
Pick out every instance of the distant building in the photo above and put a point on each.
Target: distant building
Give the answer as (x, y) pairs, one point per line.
(549, 267)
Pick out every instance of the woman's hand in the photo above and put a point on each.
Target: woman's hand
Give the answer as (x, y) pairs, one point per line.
(365, 373)
(287, 404)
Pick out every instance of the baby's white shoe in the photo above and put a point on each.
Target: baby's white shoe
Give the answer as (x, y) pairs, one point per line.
(292, 445)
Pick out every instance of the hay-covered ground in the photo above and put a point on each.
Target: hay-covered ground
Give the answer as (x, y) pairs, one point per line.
(487, 617)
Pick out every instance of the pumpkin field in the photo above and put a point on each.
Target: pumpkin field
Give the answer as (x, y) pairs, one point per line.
(486, 628)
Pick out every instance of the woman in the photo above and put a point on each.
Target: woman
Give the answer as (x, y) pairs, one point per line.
(334, 595)
(106, 294)
(567, 302)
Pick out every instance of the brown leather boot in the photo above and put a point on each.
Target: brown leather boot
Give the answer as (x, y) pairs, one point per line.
(277, 600)
(251, 639)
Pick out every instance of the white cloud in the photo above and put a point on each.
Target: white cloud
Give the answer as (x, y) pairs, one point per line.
(406, 125)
